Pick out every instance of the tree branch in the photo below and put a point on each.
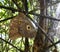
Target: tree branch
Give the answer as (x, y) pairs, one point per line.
(52, 45)
(7, 19)
(11, 44)
(14, 1)
(12, 9)
(48, 17)
(9, 8)
(16, 10)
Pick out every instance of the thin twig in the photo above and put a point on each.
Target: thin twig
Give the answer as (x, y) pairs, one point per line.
(26, 39)
(53, 45)
(16, 10)
(7, 19)
(11, 44)
(14, 1)
(12, 9)
(9, 8)
(48, 17)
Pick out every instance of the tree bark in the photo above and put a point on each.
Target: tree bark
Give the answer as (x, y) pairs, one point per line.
(39, 43)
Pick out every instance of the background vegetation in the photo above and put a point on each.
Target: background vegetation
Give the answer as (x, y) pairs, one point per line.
(41, 13)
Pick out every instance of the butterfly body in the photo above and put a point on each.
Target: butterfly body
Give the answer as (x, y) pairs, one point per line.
(20, 26)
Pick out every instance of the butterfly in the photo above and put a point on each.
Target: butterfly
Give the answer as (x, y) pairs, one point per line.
(21, 26)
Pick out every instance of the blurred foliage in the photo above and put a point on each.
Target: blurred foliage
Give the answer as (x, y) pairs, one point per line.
(4, 26)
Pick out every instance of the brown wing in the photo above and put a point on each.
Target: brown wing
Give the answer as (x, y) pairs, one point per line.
(18, 27)
(14, 23)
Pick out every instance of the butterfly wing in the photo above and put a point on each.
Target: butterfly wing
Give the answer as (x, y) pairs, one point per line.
(20, 26)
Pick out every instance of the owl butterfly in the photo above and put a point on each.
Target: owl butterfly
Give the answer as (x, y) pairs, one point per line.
(20, 26)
